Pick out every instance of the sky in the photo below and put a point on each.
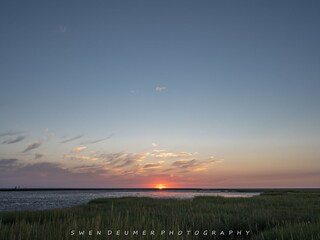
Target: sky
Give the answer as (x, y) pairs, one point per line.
(209, 94)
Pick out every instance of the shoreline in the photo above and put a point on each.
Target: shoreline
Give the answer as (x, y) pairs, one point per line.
(55, 199)
(165, 189)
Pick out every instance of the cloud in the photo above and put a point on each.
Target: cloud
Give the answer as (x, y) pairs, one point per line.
(10, 133)
(15, 172)
(112, 157)
(126, 163)
(160, 88)
(45, 174)
(38, 155)
(200, 169)
(32, 146)
(152, 165)
(54, 170)
(166, 154)
(140, 157)
(96, 169)
(112, 164)
(98, 140)
(111, 160)
(78, 149)
(193, 164)
(154, 144)
(15, 140)
(72, 139)
(121, 157)
(81, 157)
(184, 163)
(5, 162)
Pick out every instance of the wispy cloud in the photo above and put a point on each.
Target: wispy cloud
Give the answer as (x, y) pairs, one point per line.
(80, 157)
(166, 154)
(116, 161)
(184, 163)
(120, 163)
(154, 145)
(15, 140)
(152, 165)
(10, 133)
(72, 139)
(32, 146)
(98, 140)
(160, 88)
(193, 164)
(78, 149)
(126, 163)
(95, 169)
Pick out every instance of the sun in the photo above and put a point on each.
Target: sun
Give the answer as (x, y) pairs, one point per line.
(160, 186)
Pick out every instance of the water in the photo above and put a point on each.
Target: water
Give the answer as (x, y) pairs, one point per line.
(40, 200)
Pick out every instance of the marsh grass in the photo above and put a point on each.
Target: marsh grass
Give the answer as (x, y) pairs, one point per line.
(272, 215)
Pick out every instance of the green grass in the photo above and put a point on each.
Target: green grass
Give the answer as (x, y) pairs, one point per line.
(272, 215)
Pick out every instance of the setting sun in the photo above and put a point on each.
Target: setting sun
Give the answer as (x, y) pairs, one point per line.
(160, 186)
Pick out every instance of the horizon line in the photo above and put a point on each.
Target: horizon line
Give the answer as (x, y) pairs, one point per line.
(157, 189)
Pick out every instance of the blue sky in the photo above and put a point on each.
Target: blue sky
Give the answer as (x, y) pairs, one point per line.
(237, 80)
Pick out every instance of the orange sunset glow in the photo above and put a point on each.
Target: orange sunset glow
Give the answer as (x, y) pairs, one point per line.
(160, 186)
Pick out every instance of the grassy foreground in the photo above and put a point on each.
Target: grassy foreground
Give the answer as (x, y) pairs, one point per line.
(277, 215)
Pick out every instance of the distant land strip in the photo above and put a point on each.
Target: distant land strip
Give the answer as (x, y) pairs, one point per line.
(166, 189)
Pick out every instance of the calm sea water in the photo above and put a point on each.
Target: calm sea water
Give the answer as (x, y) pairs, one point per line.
(39, 200)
